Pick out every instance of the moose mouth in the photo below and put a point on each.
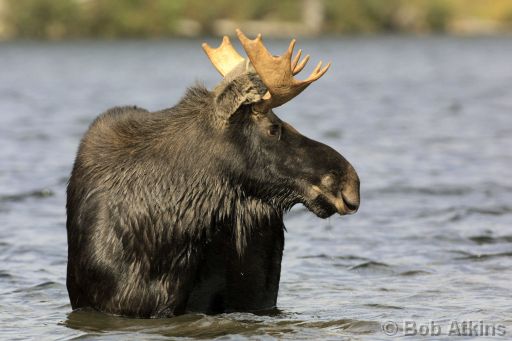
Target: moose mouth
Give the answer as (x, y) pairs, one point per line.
(324, 204)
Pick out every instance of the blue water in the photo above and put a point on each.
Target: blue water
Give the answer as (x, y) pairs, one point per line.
(426, 122)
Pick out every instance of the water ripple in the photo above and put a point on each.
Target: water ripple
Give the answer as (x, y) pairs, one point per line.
(38, 194)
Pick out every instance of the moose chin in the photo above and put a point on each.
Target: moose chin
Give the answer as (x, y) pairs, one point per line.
(181, 210)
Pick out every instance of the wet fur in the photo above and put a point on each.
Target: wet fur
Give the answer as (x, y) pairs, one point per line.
(182, 209)
(157, 222)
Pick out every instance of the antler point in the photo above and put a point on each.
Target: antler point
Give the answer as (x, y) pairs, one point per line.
(240, 34)
(207, 48)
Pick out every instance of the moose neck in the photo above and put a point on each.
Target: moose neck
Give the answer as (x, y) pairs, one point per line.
(207, 194)
(217, 204)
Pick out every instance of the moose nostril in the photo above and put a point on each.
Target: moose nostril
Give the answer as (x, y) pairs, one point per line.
(351, 204)
(350, 193)
(352, 207)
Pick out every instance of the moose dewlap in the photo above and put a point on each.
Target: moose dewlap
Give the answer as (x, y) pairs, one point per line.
(182, 209)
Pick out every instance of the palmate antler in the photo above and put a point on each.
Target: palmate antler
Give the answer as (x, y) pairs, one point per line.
(275, 72)
(224, 58)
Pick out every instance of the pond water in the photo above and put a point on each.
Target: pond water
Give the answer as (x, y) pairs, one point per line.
(426, 122)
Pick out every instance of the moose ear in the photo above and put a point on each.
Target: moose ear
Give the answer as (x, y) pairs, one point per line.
(237, 89)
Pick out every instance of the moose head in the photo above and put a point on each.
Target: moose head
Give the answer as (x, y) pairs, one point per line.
(283, 165)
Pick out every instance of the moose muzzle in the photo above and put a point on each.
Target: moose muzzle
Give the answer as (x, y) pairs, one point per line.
(349, 193)
(343, 195)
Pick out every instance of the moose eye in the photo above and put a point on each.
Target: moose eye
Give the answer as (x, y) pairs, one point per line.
(274, 130)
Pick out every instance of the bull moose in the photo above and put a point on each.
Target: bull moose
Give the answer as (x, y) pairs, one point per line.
(181, 210)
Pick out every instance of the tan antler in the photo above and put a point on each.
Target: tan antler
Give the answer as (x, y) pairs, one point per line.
(224, 58)
(277, 72)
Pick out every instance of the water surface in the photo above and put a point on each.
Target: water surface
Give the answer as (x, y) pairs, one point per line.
(426, 122)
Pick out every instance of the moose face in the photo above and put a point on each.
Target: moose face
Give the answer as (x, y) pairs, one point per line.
(283, 166)
(290, 168)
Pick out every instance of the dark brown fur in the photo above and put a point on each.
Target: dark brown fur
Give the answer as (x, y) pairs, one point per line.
(182, 209)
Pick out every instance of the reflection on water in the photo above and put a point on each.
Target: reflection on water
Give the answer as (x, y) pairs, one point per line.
(427, 123)
(208, 326)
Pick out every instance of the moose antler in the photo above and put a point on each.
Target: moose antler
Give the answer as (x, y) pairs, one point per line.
(277, 72)
(224, 58)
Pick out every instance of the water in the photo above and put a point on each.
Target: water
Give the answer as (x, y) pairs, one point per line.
(426, 122)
